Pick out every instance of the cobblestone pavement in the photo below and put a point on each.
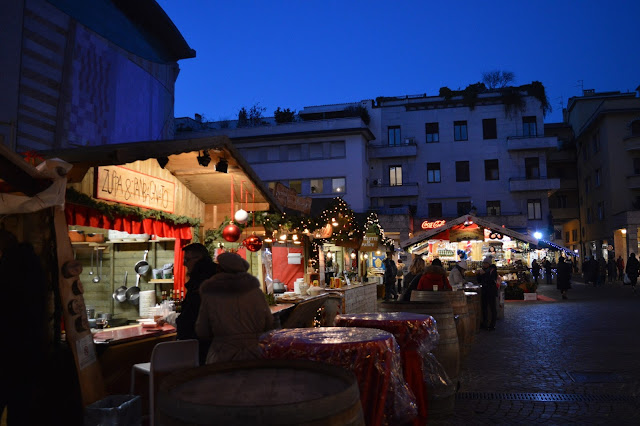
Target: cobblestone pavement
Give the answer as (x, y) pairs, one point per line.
(574, 361)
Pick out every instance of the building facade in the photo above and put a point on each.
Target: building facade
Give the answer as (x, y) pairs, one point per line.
(607, 135)
(83, 74)
(414, 158)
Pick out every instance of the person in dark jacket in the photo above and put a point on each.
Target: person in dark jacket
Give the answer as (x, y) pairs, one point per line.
(535, 270)
(199, 267)
(410, 281)
(611, 269)
(632, 270)
(564, 277)
(434, 278)
(390, 272)
(547, 270)
(488, 279)
(620, 266)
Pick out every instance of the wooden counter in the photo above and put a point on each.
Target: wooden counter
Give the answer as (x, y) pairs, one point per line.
(128, 333)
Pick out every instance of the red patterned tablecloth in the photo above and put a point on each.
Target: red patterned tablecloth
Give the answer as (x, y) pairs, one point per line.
(416, 335)
(373, 356)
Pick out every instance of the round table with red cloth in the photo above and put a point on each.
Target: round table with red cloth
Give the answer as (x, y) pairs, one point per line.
(416, 335)
(372, 355)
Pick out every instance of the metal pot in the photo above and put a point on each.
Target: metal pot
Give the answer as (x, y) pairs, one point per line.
(278, 287)
(142, 267)
(120, 295)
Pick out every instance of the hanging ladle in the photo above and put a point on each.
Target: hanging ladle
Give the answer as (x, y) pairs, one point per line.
(91, 271)
(98, 270)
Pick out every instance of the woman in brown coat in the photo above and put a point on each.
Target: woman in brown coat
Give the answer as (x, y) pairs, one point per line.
(233, 311)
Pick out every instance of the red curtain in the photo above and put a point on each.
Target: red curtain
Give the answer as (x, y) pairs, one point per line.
(281, 268)
(85, 216)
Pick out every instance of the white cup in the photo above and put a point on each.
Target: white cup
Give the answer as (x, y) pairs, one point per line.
(435, 288)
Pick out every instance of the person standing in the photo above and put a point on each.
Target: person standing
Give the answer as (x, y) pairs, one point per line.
(390, 272)
(488, 279)
(434, 275)
(456, 276)
(399, 275)
(199, 267)
(547, 270)
(564, 277)
(611, 269)
(632, 270)
(620, 265)
(233, 313)
(602, 271)
(535, 271)
(410, 281)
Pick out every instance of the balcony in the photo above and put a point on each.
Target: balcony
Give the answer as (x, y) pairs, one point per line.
(632, 143)
(633, 182)
(522, 143)
(407, 149)
(568, 183)
(404, 190)
(564, 213)
(511, 221)
(541, 184)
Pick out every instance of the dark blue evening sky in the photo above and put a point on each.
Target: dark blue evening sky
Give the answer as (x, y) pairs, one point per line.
(292, 54)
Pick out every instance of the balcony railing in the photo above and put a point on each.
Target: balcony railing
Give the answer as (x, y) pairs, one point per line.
(541, 184)
(633, 182)
(407, 189)
(521, 143)
(408, 148)
(632, 143)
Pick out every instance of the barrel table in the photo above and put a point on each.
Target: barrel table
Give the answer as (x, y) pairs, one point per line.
(260, 392)
(416, 335)
(372, 355)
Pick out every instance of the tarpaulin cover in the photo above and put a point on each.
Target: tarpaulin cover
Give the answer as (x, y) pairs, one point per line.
(373, 355)
(417, 335)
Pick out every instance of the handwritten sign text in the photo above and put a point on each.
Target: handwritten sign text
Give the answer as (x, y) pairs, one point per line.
(116, 183)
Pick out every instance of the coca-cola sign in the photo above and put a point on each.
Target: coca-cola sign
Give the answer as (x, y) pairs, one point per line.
(432, 224)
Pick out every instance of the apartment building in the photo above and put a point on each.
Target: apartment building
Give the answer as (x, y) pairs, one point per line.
(606, 127)
(413, 158)
(75, 75)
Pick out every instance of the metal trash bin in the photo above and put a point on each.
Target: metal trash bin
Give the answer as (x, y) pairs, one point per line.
(500, 300)
(114, 410)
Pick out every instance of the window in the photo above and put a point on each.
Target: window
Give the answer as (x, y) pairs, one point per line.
(560, 201)
(315, 151)
(493, 208)
(462, 171)
(595, 141)
(273, 153)
(338, 185)
(529, 127)
(587, 184)
(435, 210)
(566, 237)
(601, 210)
(489, 130)
(574, 235)
(337, 149)
(433, 172)
(296, 185)
(460, 130)
(293, 152)
(532, 168)
(394, 135)
(433, 134)
(395, 175)
(317, 186)
(636, 166)
(597, 178)
(534, 209)
(558, 233)
(491, 170)
(464, 207)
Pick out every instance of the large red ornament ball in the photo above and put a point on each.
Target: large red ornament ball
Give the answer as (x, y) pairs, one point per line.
(231, 233)
(253, 243)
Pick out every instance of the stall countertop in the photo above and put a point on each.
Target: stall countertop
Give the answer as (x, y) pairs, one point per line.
(280, 307)
(130, 333)
(349, 287)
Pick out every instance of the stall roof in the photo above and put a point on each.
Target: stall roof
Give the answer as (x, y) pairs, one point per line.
(462, 219)
(209, 185)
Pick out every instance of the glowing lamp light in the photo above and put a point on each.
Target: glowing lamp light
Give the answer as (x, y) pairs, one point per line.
(329, 255)
(366, 256)
(353, 255)
(624, 231)
(537, 235)
(283, 238)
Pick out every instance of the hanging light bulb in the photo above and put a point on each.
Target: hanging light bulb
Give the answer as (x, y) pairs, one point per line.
(366, 256)
(329, 255)
(283, 238)
(353, 254)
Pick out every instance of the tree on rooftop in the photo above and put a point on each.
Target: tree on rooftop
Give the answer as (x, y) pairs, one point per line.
(284, 115)
(497, 79)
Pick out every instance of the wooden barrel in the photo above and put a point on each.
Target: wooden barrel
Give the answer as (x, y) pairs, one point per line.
(447, 352)
(464, 328)
(473, 304)
(261, 392)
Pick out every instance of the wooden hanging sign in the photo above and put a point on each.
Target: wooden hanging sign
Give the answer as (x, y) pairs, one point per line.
(125, 186)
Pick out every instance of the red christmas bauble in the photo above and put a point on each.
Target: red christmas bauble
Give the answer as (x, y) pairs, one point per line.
(231, 233)
(253, 243)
